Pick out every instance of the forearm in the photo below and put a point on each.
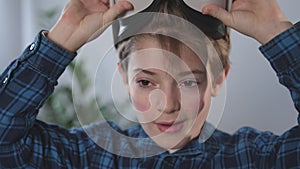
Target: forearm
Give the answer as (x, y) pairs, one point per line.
(283, 52)
(26, 84)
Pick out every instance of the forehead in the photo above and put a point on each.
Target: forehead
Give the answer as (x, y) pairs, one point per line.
(151, 53)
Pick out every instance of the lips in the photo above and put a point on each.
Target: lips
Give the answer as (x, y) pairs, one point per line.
(170, 127)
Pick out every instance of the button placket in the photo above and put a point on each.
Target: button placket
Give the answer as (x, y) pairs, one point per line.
(168, 159)
(13, 67)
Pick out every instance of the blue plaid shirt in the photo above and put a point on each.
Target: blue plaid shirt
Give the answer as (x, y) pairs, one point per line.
(29, 143)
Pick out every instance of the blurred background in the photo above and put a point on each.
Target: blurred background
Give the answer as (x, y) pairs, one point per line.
(253, 95)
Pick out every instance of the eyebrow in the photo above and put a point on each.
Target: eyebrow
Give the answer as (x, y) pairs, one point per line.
(192, 72)
(144, 71)
(186, 73)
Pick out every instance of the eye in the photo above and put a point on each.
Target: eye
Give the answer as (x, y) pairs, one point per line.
(188, 83)
(144, 83)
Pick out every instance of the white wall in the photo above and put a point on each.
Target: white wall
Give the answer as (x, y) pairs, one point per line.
(254, 97)
(21, 20)
(10, 31)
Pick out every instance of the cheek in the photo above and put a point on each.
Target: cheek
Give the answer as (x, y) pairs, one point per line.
(196, 102)
(193, 106)
(145, 111)
(139, 100)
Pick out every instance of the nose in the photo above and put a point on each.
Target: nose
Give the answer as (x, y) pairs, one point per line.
(169, 101)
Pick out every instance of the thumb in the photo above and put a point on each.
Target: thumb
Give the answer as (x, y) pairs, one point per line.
(116, 10)
(219, 13)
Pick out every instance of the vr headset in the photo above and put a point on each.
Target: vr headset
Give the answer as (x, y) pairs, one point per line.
(191, 9)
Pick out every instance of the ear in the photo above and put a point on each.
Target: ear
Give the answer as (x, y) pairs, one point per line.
(218, 82)
(124, 76)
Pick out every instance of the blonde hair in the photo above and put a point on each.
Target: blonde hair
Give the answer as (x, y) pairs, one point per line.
(172, 7)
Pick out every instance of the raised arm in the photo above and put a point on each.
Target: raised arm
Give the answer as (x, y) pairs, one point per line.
(264, 21)
(29, 80)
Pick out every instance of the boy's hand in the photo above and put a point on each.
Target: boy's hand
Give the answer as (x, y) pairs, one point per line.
(260, 19)
(83, 21)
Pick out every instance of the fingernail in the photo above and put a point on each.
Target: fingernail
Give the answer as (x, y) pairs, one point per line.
(127, 5)
(205, 10)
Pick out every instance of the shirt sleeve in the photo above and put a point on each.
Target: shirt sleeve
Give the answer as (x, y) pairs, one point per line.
(283, 53)
(24, 86)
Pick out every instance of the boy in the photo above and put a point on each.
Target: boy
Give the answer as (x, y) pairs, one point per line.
(28, 143)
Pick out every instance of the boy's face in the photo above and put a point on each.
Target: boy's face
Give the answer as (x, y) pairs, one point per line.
(171, 94)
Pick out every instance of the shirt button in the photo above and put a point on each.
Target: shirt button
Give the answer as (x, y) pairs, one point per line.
(32, 46)
(5, 80)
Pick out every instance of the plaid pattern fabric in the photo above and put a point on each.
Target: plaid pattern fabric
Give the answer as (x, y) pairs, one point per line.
(28, 143)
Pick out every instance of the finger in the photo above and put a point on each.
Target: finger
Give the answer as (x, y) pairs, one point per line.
(116, 10)
(218, 13)
(106, 2)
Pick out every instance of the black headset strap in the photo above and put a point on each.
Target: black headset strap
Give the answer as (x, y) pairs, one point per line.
(212, 27)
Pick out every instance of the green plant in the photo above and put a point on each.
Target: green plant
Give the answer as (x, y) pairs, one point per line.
(61, 108)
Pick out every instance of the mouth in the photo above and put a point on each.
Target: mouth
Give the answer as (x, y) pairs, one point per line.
(169, 127)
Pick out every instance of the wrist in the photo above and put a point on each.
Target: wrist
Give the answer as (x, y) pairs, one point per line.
(276, 29)
(61, 34)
